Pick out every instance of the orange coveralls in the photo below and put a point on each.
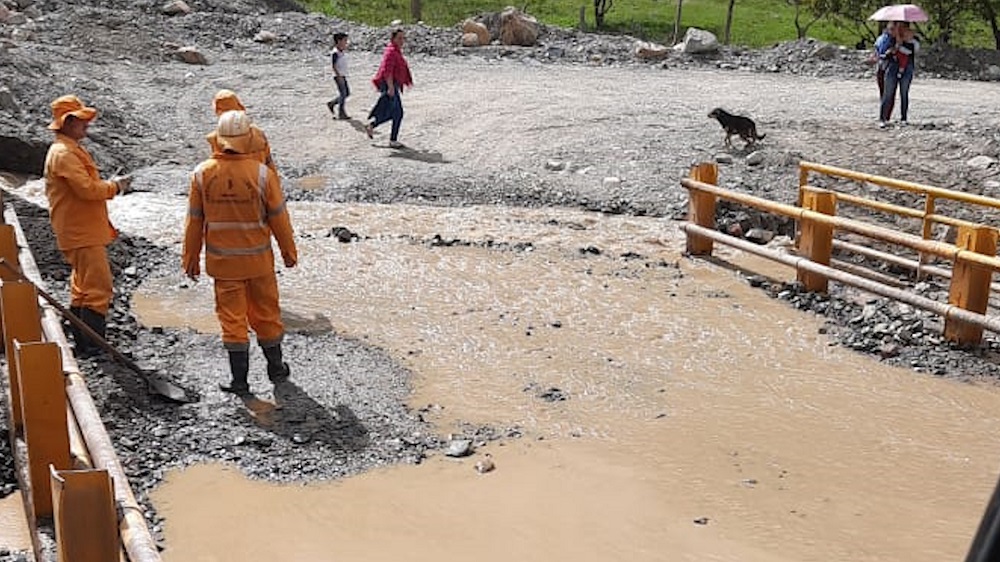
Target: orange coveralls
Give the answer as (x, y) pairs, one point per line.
(78, 210)
(234, 207)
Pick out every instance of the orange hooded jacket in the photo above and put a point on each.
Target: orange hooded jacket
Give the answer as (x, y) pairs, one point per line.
(260, 149)
(234, 206)
(77, 196)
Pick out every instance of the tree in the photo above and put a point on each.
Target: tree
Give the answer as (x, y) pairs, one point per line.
(815, 9)
(677, 21)
(851, 15)
(415, 10)
(601, 7)
(988, 10)
(729, 22)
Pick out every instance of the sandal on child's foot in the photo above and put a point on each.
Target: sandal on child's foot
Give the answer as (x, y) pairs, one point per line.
(370, 131)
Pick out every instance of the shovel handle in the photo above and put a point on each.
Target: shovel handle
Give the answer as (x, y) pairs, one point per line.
(74, 319)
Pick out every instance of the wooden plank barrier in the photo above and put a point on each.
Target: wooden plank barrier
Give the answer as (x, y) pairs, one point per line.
(8, 251)
(86, 520)
(43, 405)
(19, 309)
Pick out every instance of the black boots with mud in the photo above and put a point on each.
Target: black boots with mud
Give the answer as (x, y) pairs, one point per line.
(239, 366)
(277, 370)
(86, 347)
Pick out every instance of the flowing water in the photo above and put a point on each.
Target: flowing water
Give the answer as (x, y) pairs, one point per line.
(701, 420)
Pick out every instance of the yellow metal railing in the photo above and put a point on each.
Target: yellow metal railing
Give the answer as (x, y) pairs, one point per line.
(973, 255)
(929, 215)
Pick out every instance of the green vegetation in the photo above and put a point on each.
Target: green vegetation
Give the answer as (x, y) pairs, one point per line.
(756, 23)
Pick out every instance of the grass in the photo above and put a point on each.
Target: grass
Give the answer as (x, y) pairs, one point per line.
(756, 23)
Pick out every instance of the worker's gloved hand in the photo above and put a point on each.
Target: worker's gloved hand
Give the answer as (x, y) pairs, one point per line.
(123, 183)
(290, 261)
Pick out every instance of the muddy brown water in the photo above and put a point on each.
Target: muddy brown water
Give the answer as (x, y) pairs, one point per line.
(13, 524)
(703, 421)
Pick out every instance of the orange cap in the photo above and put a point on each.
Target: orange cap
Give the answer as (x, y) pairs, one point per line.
(226, 100)
(65, 106)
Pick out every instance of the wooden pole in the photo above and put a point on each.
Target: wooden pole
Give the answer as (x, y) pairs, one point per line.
(970, 284)
(701, 208)
(19, 307)
(816, 240)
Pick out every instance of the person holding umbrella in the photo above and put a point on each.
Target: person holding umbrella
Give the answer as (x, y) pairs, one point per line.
(899, 72)
(899, 57)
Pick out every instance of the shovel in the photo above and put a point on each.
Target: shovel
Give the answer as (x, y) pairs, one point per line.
(156, 384)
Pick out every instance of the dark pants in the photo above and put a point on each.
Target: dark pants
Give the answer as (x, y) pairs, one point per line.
(388, 108)
(880, 78)
(894, 79)
(344, 91)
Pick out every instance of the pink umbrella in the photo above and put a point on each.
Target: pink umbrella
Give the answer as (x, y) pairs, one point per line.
(899, 12)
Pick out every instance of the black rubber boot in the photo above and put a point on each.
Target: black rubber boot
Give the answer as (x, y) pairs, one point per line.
(239, 366)
(96, 322)
(277, 370)
(75, 332)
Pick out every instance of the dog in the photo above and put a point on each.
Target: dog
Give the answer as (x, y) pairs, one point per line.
(736, 125)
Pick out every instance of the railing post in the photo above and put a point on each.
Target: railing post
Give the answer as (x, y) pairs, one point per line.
(19, 310)
(8, 251)
(816, 240)
(701, 208)
(927, 229)
(803, 182)
(970, 284)
(43, 405)
(85, 518)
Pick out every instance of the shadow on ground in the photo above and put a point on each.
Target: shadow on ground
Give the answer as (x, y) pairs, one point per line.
(297, 417)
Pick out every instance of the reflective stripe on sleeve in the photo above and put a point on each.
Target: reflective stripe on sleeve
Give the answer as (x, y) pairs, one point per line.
(277, 210)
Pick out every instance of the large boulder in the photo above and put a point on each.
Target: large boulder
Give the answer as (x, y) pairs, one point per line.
(470, 40)
(176, 8)
(698, 41)
(191, 55)
(481, 31)
(518, 28)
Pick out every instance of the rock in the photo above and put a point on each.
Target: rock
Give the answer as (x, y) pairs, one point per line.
(824, 51)
(470, 40)
(980, 162)
(24, 4)
(701, 521)
(32, 12)
(759, 236)
(4, 13)
(555, 165)
(485, 464)
(888, 351)
(480, 30)
(697, 41)
(651, 51)
(7, 101)
(554, 52)
(395, 23)
(735, 229)
(459, 448)
(611, 182)
(265, 37)
(723, 158)
(518, 28)
(191, 55)
(992, 72)
(15, 18)
(755, 158)
(176, 8)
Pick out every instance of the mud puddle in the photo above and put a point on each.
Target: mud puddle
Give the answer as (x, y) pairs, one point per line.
(669, 411)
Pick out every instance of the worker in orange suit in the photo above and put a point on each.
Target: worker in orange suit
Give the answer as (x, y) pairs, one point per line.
(260, 149)
(235, 206)
(78, 212)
